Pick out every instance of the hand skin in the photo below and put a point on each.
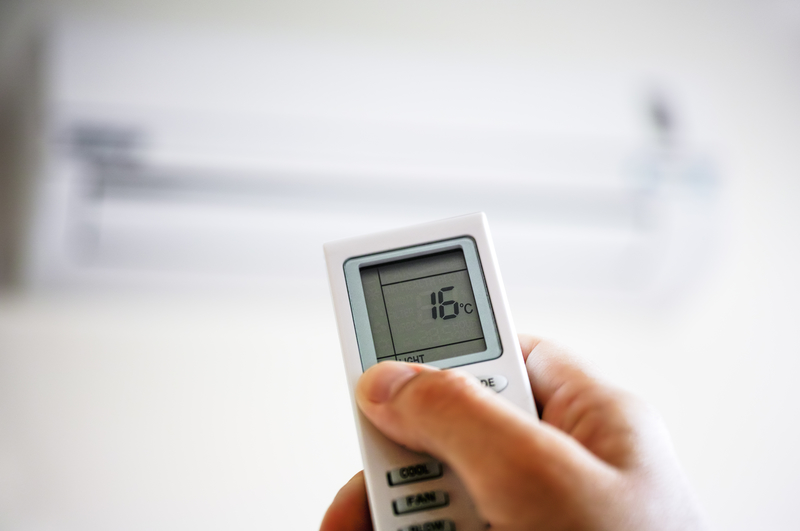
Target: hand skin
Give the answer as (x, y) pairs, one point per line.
(600, 460)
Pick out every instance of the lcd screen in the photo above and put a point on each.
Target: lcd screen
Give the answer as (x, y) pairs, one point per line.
(422, 309)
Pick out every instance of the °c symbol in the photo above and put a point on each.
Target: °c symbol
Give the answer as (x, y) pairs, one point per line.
(468, 308)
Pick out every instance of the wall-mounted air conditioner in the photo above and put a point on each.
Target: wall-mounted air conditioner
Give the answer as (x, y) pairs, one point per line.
(175, 156)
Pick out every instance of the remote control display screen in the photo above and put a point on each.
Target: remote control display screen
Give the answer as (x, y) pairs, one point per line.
(422, 309)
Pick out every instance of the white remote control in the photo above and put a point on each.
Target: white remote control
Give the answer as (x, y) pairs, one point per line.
(430, 294)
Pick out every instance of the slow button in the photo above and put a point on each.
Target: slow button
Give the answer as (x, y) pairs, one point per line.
(436, 525)
(496, 382)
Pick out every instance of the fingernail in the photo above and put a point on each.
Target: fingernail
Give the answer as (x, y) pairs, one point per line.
(384, 380)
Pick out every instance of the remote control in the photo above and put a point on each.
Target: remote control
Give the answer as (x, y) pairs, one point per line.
(432, 294)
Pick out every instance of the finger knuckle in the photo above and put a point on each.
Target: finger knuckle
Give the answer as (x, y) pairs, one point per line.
(442, 391)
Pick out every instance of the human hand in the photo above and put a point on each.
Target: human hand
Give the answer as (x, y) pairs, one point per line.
(600, 460)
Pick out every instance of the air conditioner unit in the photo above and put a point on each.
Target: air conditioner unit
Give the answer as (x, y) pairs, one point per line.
(178, 156)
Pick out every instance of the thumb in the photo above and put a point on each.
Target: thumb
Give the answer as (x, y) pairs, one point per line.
(486, 440)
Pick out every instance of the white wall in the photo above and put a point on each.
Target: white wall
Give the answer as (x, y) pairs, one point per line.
(211, 410)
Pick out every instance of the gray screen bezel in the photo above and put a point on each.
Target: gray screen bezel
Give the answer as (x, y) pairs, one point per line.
(358, 303)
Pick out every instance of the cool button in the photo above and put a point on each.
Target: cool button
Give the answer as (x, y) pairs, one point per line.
(411, 473)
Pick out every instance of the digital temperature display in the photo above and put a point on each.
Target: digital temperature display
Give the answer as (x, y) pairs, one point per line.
(422, 309)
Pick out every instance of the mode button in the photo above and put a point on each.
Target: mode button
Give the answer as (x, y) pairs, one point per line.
(495, 382)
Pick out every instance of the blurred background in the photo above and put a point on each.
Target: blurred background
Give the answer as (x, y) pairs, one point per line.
(170, 169)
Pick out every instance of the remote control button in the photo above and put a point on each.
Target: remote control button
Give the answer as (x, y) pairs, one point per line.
(411, 473)
(496, 382)
(436, 525)
(420, 501)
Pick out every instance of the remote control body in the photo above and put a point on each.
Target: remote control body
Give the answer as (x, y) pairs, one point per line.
(432, 294)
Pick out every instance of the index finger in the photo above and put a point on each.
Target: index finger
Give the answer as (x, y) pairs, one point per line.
(551, 367)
